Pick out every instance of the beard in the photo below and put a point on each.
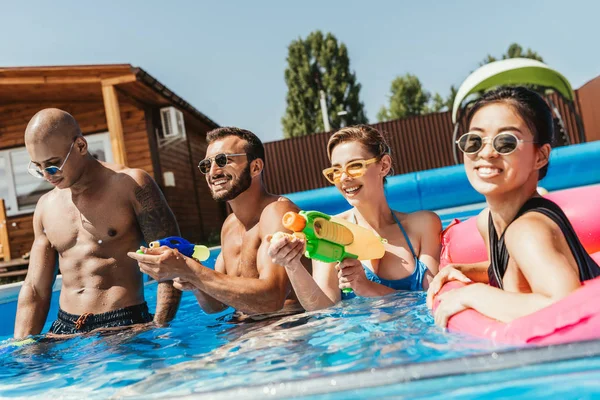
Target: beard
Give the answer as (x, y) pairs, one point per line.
(239, 186)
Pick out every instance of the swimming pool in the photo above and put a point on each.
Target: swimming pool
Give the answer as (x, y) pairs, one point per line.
(379, 348)
(385, 347)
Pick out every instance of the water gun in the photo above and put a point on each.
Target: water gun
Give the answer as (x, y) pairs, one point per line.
(331, 239)
(200, 253)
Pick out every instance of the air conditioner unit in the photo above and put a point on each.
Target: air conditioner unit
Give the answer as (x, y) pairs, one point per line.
(173, 125)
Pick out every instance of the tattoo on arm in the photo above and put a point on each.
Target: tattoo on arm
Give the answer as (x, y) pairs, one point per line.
(156, 221)
(155, 218)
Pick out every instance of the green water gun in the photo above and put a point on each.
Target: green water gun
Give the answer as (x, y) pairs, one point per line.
(331, 239)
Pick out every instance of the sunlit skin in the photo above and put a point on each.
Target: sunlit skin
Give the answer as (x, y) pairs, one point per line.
(96, 213)
(541, 269)
(244, 277)
(371, 209)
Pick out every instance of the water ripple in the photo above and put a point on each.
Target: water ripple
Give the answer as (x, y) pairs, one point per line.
(200, 353)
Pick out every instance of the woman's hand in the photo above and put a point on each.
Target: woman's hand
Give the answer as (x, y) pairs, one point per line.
(456, 300)
(351, 275)
(447, 274)
(162, 264)
(286, 250)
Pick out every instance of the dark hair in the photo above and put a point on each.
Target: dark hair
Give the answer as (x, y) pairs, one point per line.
(530, 106)
(254, 147)
(366, 135)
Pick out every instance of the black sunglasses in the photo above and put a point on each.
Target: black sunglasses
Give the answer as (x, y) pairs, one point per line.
(503, 143)
(220, 159)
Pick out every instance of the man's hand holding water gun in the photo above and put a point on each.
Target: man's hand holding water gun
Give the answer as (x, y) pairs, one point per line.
(167, 259)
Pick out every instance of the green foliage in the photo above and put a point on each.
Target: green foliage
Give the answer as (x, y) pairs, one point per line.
(438, 103)
(320, 63)
(407, 98)
(515, 50)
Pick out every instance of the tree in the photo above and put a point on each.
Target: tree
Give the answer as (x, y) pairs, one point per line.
(515, 50)
(439, 104)
(407, 98)
(315, 64)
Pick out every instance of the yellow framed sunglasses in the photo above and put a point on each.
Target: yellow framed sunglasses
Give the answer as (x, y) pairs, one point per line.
(355, 169)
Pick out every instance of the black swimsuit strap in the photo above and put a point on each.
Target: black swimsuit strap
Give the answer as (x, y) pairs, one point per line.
(499, 256)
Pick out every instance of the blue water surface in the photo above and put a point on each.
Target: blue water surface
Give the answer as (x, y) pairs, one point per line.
(200, 353)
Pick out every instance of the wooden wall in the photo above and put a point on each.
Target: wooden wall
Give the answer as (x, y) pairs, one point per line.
(199, 216)
(91, 119)
(212, 214)
(418, 143)
(589, 104)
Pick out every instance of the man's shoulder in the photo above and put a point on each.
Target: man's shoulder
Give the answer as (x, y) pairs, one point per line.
(278, 207)
(128, 181)
(132, 176)
(230, 220)
(47, 198)
(272, 214)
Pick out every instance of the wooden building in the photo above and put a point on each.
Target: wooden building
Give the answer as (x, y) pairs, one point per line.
(128, 117)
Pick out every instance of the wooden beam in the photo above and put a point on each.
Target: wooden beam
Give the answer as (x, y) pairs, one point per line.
(49, 80)
(117, 80)
(128, 98)
(115, 126)
(4, 241)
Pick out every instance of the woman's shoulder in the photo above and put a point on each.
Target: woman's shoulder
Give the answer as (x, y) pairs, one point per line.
(531, 223)
(422, 221)
(422, 216)
(532, 233)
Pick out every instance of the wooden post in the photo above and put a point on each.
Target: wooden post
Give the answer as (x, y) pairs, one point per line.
(115, 127)
(4, 243)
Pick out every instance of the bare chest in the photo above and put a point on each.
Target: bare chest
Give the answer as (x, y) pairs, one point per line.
(97, 222)
(240, 252)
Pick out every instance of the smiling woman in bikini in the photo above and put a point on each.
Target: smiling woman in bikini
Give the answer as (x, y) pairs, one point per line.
(360, 161)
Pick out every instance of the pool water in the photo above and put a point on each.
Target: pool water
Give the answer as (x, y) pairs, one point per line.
(202, 354)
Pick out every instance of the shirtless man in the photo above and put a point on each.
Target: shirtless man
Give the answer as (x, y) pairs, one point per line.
(245, 277)
(94, 215)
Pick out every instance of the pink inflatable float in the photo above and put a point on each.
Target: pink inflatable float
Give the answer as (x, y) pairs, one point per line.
(576, 317)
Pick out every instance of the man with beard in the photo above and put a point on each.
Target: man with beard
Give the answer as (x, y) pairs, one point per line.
(96, 212)
(244, 277)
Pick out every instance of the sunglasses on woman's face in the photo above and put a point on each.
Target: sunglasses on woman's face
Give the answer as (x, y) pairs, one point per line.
(51, 170)
(220, 159)
(503, 143)
(355, 169)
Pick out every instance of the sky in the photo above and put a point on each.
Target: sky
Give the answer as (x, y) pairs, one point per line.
(228, 58)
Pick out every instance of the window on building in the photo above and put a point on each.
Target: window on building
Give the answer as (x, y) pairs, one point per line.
(20, 190)
(4, 182)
